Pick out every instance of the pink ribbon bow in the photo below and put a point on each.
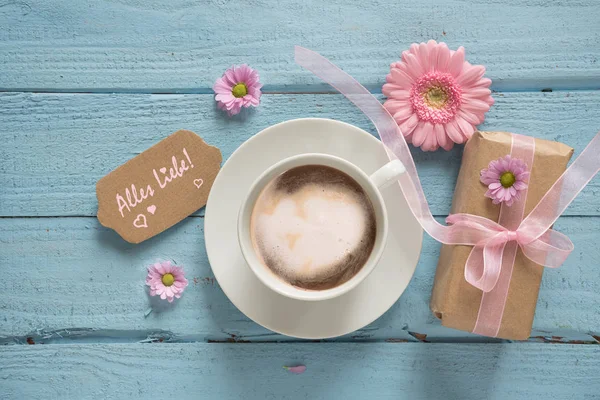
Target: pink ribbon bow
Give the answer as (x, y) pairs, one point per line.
(489, 266)
(489, 239)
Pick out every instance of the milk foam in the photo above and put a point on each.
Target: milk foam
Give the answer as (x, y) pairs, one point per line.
(313, 232)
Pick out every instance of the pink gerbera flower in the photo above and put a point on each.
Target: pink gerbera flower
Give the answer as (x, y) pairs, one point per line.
(238, 87)
(166, 280)
(505, 178)
(436, 97)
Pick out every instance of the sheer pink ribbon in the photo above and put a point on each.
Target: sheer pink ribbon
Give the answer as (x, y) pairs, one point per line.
(490, 240)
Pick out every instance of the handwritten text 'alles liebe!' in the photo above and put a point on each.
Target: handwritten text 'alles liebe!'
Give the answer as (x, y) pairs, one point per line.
(163, 177)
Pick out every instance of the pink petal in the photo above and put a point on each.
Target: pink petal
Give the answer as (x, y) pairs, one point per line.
(235, 109)
(225, 97)
(433, 55)
(387, 87)
(442, 137)
(254, 92)
(466, 128)
(241, 73)
(393, 106)
(454, 132)
(421, 133)
(403, 113)
(430, 143)
(250, 101)
(159, 268)
(401, 78)
(230, 104)
(470, 74)
(423, 57)
(221, 87)
(298, 369)
(470, 117)
(483, 82)
(443, 57)
(491, 172)
(413, 49)
(414, 68)
(168, 267)
(486, 180)
(229, 77)
(178, 284)
(520, 185)
(476, 93)
(408, 126)
(455, 65)
(400, 94)
(475, 106)
(495, 185)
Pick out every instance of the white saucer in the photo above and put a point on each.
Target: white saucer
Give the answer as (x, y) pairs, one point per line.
(308, 320)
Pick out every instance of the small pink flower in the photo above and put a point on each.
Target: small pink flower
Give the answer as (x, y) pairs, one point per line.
(505, 179)
(238, 87)
(166, 280)
(436, 97)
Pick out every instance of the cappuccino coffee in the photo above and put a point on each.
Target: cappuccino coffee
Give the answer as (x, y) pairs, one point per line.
(313, 226)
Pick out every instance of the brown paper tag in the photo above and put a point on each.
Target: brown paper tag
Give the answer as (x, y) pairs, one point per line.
(159, 187)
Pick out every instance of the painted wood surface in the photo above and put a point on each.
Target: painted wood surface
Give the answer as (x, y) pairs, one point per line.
(78, 288)
(179, 45)
(72, 273)
(334, 371)
(57, 146)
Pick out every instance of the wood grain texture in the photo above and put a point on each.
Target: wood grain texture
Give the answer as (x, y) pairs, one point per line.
(72, 275)
(151, 46)
(55, 147)
(334, 371)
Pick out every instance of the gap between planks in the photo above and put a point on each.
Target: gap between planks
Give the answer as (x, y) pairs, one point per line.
(114, 336)
(559, 86)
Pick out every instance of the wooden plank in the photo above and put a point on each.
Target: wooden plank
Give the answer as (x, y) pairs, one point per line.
(334, 371)
(65, 278)
(56, 146)
(185, 46)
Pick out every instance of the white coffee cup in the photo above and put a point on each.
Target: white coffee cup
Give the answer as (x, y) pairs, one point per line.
(386, 175)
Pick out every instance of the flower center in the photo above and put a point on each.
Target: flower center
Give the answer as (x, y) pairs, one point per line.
(239, 90)
(168, 279)
(436, 97)
(507, 179)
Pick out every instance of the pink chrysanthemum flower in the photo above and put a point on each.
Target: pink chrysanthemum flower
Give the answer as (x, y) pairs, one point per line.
(238, 87)
(505, 179)
(166, 280)
(436, 97)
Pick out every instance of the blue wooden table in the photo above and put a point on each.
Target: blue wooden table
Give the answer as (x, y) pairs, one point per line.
(86, 85)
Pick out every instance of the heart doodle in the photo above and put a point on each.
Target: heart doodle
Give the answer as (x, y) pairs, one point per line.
(140, 221)
(163, 170)
(198, 182)
(151, 209)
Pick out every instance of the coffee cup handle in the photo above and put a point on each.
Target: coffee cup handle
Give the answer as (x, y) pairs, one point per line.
(388, 174)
